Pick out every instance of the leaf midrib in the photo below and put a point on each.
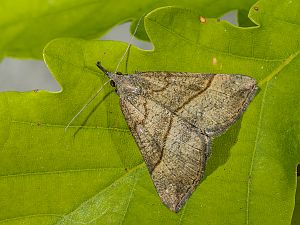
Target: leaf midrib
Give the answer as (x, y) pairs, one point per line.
(253, 157)
(266, 81)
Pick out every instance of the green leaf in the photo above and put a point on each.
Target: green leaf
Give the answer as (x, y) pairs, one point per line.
(26, 26)
(296, 214)
(94, 174)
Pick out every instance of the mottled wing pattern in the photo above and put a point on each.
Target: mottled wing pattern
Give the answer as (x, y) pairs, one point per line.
(212, 102)
(173, 116)
(174, 151)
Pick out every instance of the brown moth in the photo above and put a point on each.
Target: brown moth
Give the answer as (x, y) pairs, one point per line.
(173, 117)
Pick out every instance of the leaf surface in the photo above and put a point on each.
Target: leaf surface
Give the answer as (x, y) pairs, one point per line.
(296, 214)
(94, 174)
(27, 26)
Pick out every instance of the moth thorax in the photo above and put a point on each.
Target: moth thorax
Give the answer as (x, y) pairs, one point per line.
(126, 86)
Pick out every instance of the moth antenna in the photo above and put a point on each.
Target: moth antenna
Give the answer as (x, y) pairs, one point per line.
(129, 43)
(110, 75)
(89, 102)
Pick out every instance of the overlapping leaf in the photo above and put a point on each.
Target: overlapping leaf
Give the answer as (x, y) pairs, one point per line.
(27, 26)
(93, 173)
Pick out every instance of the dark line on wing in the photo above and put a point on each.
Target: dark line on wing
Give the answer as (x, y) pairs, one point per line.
(165, 86)
(172, 113)
(182, 118)
(146, 110)
(196, 95)
(163, 144)
(175, 112)
(137, 138)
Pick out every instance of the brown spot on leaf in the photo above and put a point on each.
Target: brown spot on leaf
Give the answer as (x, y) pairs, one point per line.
(214, 61)
(202, 19)
(256, 8)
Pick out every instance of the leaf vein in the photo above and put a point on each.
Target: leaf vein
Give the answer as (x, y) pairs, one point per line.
(29, 216)
(58, 172)
(279, 68)
(129, 200)
(183, 213)
(253, 156)
(63, 126)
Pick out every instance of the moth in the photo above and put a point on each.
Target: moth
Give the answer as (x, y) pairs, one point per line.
(173, 117)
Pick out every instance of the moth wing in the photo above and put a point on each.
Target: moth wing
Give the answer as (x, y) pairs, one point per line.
(211, 102)
(174, 151)
(173, 115)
